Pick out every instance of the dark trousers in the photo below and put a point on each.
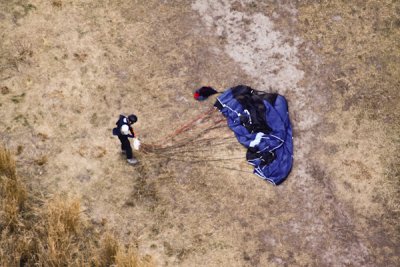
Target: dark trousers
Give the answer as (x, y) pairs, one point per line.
(126, 146)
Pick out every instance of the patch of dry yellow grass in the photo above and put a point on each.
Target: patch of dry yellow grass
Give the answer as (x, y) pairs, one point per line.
(12, 192)
(358, 43)
(52, 232)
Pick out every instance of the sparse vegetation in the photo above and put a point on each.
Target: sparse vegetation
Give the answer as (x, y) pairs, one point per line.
(52, 231)
(41, 160)
(80, 63)
(17, 98)
(358, 43)
(57, 3)
(5, 90)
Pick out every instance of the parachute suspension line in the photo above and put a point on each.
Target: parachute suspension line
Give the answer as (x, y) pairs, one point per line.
(187, 126)
(275, 148)
(194, 147)
(226, 106)
(278, 146)
(194, 143)
(232, 169)
(249, 116)
(183, 159)
(189, 141)
(192, 154)
(216, 123)
(204, 161)
(280, 139)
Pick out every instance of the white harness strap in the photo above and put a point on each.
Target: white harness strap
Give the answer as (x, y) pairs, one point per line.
(226, 106)
(256, 140)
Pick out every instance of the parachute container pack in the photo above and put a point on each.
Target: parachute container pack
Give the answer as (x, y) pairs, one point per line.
(261, 123)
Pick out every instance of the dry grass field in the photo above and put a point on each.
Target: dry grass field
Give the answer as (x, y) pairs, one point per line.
(68, 68)
(52, 231)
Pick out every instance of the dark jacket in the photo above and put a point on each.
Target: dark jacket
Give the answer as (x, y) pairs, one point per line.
(121, 121)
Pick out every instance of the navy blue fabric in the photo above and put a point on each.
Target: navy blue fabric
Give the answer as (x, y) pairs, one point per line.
(125, 144)
(204, 92)
(276, 142)
(121, 121)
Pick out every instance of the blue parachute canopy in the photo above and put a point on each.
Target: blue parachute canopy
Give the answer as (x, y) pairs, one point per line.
(261, 123)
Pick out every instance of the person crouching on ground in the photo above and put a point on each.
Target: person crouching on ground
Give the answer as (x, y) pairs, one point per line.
(124, 131)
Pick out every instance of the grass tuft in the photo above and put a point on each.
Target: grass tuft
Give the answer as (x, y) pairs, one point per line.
(51, 232)
(7, 164)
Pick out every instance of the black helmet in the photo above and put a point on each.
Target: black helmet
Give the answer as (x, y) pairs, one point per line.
(132, 118)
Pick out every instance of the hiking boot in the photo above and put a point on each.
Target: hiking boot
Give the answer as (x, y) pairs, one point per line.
(132, 161)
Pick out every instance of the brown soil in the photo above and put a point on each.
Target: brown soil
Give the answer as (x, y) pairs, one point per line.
(69, 68)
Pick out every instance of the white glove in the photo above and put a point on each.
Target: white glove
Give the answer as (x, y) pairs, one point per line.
(136, 143)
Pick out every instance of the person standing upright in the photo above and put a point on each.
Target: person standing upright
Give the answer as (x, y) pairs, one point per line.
(124, 131)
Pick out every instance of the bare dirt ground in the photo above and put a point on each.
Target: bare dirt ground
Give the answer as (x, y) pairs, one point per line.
(69, 68)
